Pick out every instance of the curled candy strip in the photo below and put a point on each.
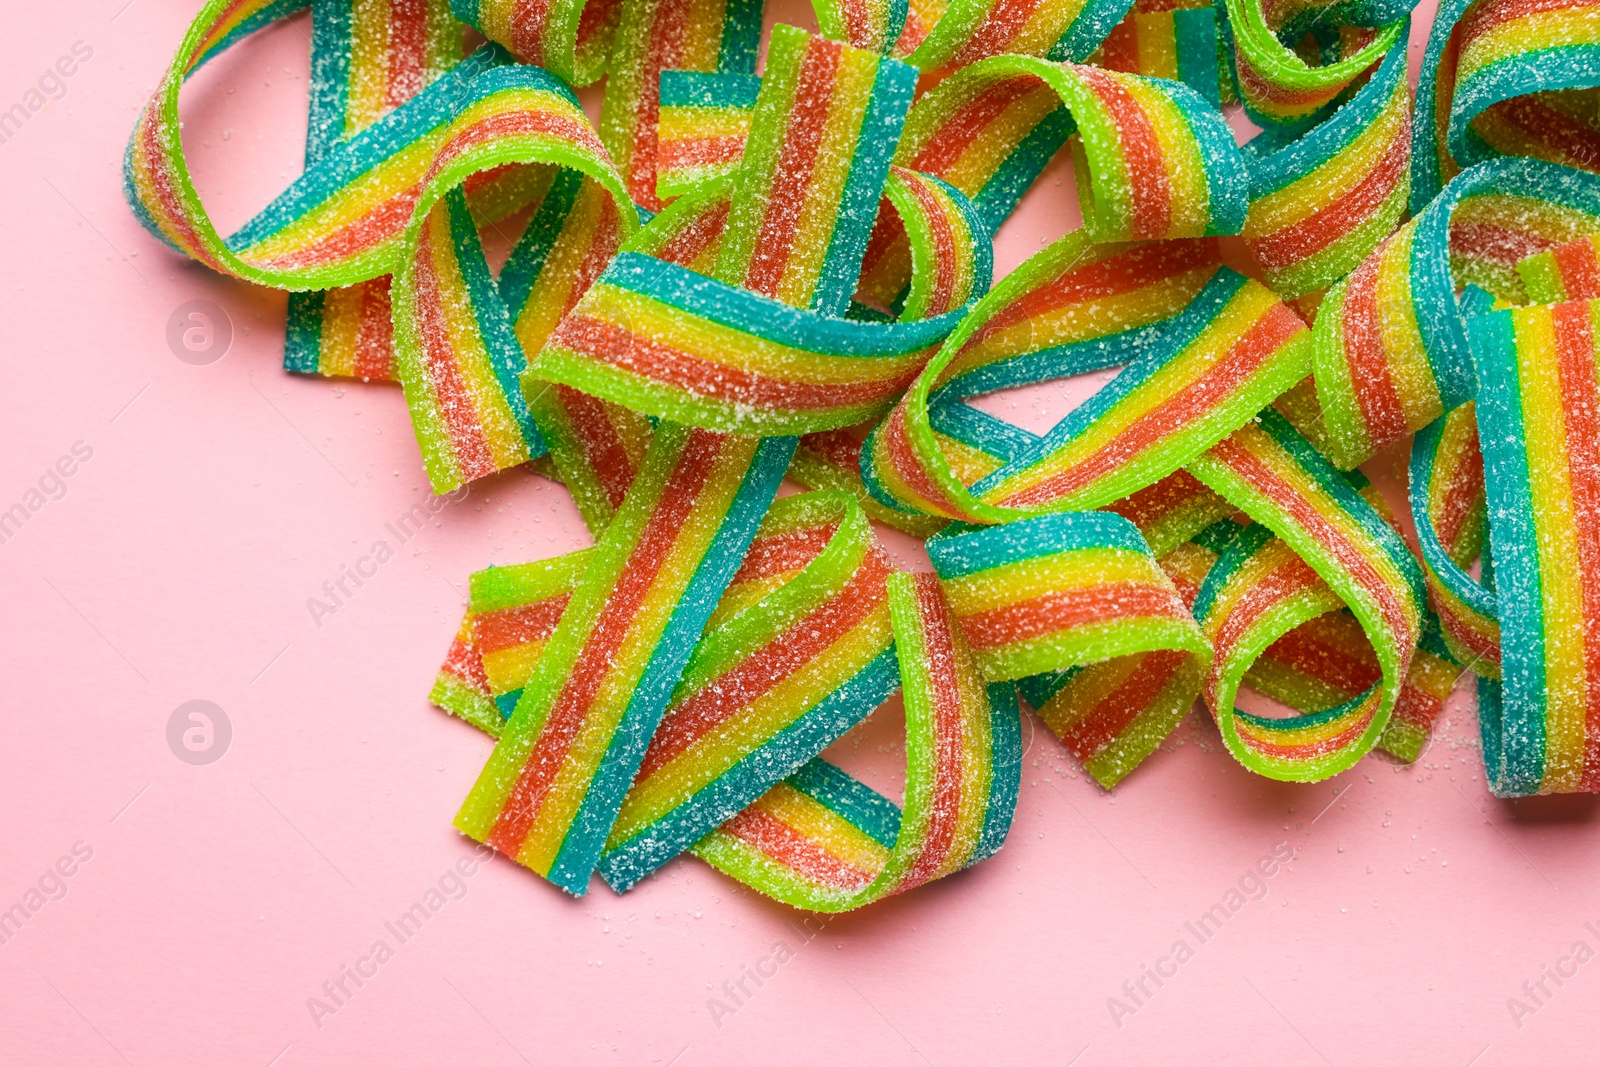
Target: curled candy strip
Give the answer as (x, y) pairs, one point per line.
(1277, 87)
(1204, 348)
(825, 842)
(459, 355)
(1496, 81)
(1154, 160)
(1335, 549)
(1449, 509)
(1320, 203)
(1075, 606)
(666, 340)
(362, 67)
(382, 200)
(1391, 351)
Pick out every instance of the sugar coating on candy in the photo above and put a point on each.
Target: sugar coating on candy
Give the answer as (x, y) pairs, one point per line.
(732, 261)
(1536, 413)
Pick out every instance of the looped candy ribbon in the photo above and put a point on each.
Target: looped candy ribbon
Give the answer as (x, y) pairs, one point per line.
(738, 277)
(1506, 77)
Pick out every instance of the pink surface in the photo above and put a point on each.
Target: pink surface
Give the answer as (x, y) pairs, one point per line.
(218, 899)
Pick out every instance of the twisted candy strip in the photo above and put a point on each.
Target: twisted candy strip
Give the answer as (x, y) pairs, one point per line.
(458, 356)
(1391, 351)
(1494, 72)
(366, 60)
(825, 842)
(1075, 606)
(1331, 547)
(1278, 88)
(1156, 162)
(1205, 350)
(378, 202)
(1321, 202)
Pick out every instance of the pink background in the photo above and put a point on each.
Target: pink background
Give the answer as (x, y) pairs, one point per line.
(220, 898)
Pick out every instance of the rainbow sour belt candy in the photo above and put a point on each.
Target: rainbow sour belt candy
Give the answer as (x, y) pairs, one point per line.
(825, 842)
(551, 790)
(1492, 85)
(738, 275)
(822, 840)
(1331, 547)
(1537, 409)
(363, 65)
(556, 783)
(1204, 348)
(1076, 605)
(1391, 352)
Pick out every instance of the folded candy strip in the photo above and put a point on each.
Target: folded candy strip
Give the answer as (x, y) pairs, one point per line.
(459, 357)
(1331, 549)
(812, 597)
(1499, 79)
(1279, 90)
(1154, 160)
(1203, 350)
(1391, 349)
(825, 842)
(1075, 605)
(1320, 202)
(768, 688)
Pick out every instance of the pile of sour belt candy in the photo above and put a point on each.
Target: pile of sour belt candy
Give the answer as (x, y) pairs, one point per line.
(741, 277)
